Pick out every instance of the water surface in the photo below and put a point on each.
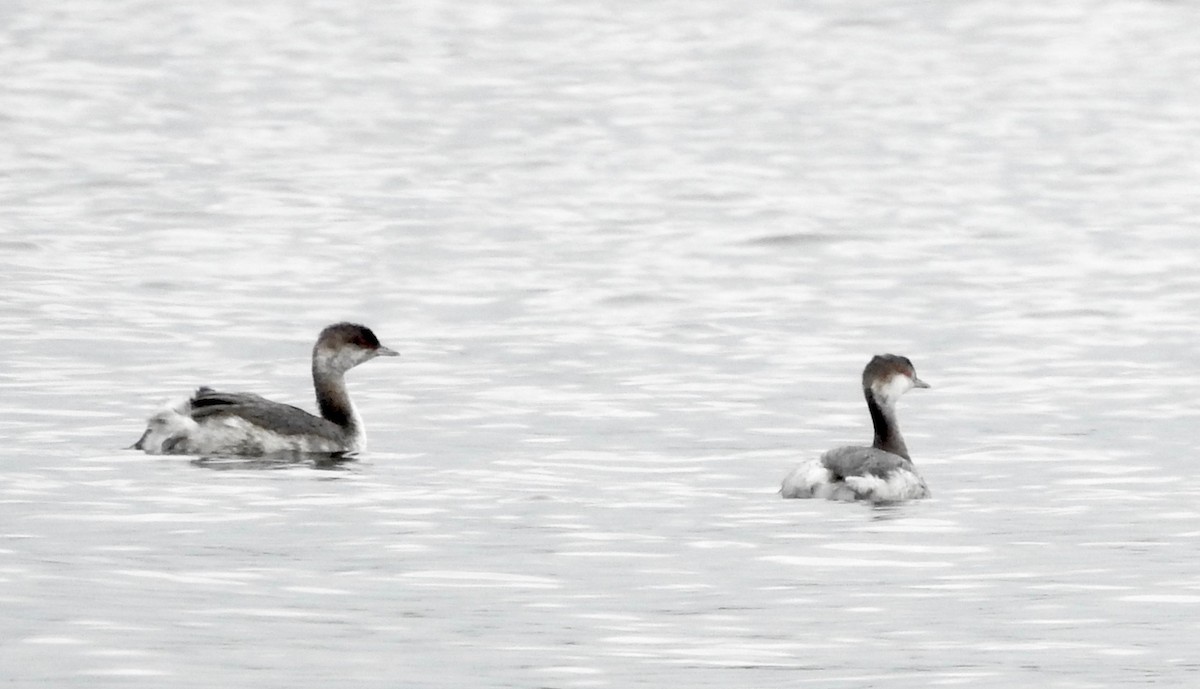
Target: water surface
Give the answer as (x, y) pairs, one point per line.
(634, 257)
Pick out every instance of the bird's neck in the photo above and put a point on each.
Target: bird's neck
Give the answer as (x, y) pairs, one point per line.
(887, 430)
(333, 400)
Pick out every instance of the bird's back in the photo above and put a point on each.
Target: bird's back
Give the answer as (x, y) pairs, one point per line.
(276, 417)
(241, 423)
(856, 473)
(875, 475)
(863, 461)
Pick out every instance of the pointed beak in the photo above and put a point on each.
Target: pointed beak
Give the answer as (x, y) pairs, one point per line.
(387, 351)
(918, 383)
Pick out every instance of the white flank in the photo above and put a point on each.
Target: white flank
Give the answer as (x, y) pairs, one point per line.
(812, 480)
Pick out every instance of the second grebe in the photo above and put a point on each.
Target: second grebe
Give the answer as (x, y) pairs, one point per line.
(882, 472)
(247, 425)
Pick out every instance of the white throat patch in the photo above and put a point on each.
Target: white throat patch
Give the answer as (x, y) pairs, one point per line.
(891, 389)
(342, 359)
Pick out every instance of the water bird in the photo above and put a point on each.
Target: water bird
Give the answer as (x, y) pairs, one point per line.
(880, 473)
(244, 424)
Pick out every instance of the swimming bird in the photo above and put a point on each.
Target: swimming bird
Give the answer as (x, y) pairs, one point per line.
(882, 472)
(248, 425)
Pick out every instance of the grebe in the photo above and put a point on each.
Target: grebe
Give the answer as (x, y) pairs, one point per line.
(880, 473)
(245, 424)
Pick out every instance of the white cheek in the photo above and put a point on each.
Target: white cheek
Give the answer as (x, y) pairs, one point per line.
(895, 386)
(342, 359)
(356, 356)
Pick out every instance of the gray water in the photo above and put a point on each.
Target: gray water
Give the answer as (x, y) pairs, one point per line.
(634, 256)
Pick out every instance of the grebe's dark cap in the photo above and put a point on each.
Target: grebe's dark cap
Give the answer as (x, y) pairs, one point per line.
(883, 366)
(353, 334)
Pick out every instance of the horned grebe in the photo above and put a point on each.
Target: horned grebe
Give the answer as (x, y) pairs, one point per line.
(880, 473)
(245, 424)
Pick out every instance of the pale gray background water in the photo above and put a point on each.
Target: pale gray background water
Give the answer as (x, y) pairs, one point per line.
(635, 256)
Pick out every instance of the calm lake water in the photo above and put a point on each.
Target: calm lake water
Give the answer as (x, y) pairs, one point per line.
(634, 257)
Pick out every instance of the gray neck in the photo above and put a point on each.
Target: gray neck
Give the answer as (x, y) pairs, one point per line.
(887, 430)
(333, 400)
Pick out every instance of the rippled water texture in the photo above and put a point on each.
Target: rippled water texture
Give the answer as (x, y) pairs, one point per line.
(634, 256)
